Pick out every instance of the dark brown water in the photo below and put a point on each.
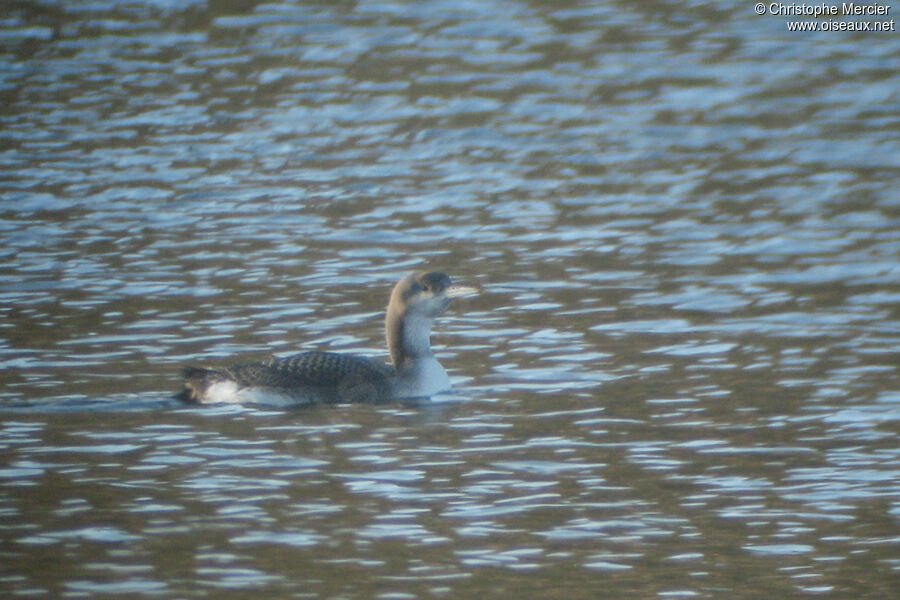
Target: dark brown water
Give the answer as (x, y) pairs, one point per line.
(680, 380)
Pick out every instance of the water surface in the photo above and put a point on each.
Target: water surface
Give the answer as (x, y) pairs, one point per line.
(680, 379)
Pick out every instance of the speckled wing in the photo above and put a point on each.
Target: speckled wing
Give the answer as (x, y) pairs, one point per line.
(329, 376)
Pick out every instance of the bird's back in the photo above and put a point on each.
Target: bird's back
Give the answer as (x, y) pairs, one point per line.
(308, 378)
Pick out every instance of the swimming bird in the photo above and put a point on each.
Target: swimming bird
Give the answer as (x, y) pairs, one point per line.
(330, 377)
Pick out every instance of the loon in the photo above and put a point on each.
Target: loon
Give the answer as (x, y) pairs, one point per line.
(329, 377)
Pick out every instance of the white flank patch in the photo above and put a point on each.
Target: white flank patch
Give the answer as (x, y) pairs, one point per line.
(221, 391)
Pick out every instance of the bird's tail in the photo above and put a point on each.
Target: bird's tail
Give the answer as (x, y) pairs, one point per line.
(197, 382)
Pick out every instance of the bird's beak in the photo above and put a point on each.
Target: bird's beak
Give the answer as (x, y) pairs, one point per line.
(461, 291)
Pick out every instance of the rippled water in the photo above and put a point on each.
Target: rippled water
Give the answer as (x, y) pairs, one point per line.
(680, 380)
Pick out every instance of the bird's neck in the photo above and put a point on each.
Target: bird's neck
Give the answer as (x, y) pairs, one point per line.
(417, 371)
(408, 338)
